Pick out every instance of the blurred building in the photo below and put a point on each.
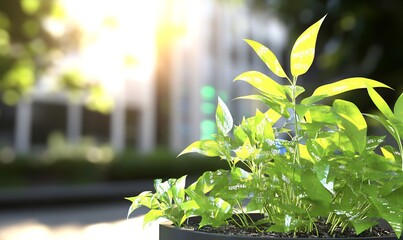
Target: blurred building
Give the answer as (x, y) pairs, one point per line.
(208, 58)
(197, 67)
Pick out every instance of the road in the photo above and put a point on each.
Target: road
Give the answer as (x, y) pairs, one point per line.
(75, 221)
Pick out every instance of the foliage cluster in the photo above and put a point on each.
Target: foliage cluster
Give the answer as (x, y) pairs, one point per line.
(28, 50)
(297, 162)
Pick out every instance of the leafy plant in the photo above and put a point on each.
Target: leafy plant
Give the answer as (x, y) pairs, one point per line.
(297, 162)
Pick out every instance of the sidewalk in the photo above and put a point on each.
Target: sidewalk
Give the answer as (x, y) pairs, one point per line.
(79, 222)
(84, 212)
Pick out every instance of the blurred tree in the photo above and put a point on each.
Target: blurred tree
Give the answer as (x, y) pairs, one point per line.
(27, 49)
(24, 45)
(358, 38)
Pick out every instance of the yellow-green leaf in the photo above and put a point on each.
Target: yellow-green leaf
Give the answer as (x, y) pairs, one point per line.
(245, 150)
(353, 123)
(398, 109)
(303, 51)
(341, 86)
(263, 83)
(208, 148)
(277, 104)
(267, 57)
(380, 103)
(272, 116)
(387, 154)
(304, 153)
(151, 216)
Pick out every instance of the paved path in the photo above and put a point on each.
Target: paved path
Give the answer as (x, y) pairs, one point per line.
(77, 222)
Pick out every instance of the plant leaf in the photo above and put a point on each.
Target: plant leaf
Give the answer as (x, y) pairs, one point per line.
(223, 118)
(392, 213)
(303, 51)
(278, 105)
(143, 199)
(341, 86)
(316, 192)
(380, 103)
(267, 57)
(272, 116)
(152, 215)
(263, 83)
(207, 147)
(178, 190)
(361, 225)
(288, 90)
(354, 123)
(392, 129)
(398, 109)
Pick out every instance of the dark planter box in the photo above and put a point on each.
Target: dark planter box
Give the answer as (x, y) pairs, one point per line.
(169, 232)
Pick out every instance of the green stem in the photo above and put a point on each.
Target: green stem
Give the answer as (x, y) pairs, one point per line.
(296, 120)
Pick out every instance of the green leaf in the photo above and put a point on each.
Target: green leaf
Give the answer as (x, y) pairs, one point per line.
(341, 86)
(361, 225)
(278, 105)
(223, 118)
(353, 123)
(374, 141)
(272, 116)
(178, 190)
(318, 147)
(208, 148)
(263, 83)
(392, 129)
(207, 182)
(189, 205)
(387, 124)
(380, 103)
(152, 215)
(388, 154)
(163, 190)
(320, 113)
(398, 109)
(240, 135)
(143, 199)
(264, 129)
(245, 150)
(288, 90)
(392, 213)
(303, 51)
(316, 192)
(324, 175)
(267, 57)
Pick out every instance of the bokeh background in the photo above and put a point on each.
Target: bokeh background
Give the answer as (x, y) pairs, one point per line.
(105, 92)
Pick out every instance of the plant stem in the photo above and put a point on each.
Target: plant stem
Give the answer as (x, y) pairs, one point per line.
(296, 120)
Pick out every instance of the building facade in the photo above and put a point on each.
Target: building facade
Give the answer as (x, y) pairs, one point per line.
(203, 62)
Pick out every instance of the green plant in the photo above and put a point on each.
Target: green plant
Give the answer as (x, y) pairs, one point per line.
(298, 162)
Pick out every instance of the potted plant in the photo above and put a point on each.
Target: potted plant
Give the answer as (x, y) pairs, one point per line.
(299, 169)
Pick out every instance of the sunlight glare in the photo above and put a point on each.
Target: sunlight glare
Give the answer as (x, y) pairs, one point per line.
(129, 229)
(117, 39)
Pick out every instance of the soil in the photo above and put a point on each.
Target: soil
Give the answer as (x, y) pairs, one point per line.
(323, 229)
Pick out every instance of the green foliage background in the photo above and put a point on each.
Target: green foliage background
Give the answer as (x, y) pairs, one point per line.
(24, 45)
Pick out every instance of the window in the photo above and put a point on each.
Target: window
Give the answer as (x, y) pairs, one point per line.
(46, 119)
(7, 124)
(132, 128)
(96, 125)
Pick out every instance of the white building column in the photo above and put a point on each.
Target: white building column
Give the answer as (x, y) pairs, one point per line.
(22, 139)
(147, 119)
(117, 127)
(74, 120)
